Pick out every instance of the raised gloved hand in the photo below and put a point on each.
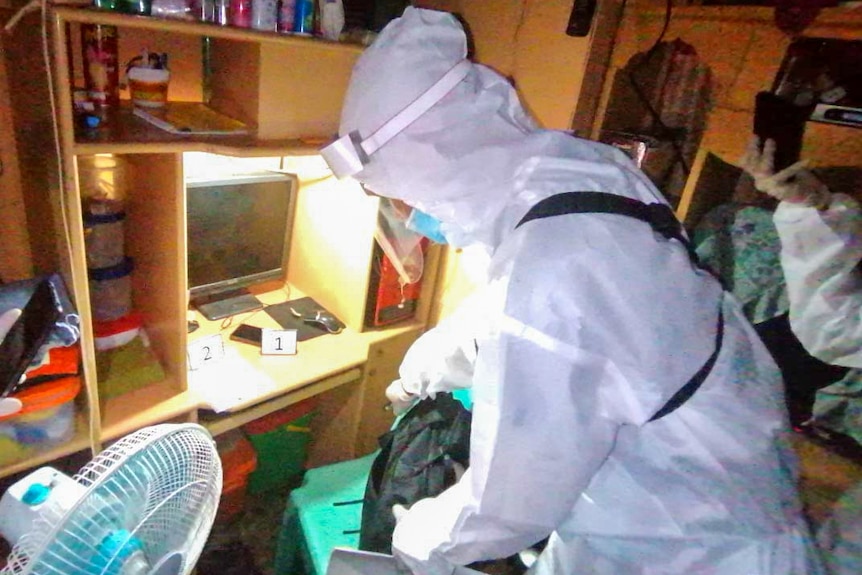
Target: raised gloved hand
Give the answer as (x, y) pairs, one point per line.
(399, 397)
(794, 184)
(7, 320)
(9, 405)
(398, 511)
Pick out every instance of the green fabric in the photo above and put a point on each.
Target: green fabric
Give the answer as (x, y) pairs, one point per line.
(741, 245)
(281, 455)
(126, 368)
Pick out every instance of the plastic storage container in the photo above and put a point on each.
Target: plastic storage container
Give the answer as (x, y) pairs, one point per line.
(104, 233)
(46, 417)
(102, 176)
(238, 460)
(280, 440)
(111, 290)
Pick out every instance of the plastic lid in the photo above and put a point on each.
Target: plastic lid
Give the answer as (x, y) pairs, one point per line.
(112, 273)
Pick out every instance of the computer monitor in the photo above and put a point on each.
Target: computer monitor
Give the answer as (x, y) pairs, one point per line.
(238, 236)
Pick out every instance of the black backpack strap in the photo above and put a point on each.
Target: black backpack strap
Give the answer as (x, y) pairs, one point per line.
(662, 219)
(657, 215)
(685, 392)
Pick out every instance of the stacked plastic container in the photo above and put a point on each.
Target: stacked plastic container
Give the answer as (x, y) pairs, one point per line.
(103, 181)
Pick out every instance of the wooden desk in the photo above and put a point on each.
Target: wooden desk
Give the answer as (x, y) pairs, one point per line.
(346, 373)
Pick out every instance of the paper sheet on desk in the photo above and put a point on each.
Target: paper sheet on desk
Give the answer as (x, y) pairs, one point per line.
(345, 561)
(229, 382)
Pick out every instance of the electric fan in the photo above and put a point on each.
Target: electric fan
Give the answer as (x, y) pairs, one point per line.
(144, 506)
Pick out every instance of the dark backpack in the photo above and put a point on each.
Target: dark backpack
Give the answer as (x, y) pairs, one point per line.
(416, 460)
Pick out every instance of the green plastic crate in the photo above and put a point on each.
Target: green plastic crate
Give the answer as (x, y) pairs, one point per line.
(324, 513)
(281, 454)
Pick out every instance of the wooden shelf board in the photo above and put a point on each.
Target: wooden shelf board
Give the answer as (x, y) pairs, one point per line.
(196, 28)
(222, 423)
(125, 133)
(79, 442)
(149, 405)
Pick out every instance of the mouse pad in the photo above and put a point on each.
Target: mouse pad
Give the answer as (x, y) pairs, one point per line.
(281, 313)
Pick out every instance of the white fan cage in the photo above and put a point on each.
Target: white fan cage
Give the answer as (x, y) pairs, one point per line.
(161, 485)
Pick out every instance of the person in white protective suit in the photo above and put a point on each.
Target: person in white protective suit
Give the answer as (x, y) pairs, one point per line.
(586, 326)
(821, 247)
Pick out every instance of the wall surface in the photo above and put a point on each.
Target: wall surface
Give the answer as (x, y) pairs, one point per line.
(15, 257)
(526, 41)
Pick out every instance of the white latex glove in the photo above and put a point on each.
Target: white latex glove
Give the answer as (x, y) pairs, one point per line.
(399, 397)
(795, 184)
(398, 511)
(9, 405)
(7, 320)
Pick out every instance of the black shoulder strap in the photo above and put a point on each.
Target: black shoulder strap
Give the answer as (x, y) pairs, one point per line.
(662, 219)
(657, 215)
(686, 391)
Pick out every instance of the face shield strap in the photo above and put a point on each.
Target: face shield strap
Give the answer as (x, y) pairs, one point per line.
(350, 153)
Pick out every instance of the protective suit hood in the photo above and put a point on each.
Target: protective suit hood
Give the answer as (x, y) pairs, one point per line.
(472, 159)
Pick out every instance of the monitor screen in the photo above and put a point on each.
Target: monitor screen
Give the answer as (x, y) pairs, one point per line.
(238, 236)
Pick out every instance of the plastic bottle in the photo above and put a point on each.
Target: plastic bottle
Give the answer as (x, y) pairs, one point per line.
(331, 19)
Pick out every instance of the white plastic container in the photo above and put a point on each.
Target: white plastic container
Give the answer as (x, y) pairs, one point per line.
(111, 291)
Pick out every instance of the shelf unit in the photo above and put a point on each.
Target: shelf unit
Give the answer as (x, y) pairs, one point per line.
(288, 90)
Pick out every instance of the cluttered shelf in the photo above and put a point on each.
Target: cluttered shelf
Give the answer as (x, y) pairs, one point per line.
(14, 459)
(87, 15)
(127, 132)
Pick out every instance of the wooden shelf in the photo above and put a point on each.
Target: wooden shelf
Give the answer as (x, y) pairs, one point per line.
(220, 423)
(125, 133)
(195, 28)
(149, 405)
(289, 91)
(39, 456)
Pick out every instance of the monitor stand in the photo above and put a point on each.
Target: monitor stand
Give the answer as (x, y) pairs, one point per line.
(227, 303)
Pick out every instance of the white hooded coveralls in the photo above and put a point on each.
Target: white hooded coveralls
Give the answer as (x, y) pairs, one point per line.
(820, 255)
(587, 325)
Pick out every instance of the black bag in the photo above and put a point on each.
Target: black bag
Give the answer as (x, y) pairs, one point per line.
(416, 460)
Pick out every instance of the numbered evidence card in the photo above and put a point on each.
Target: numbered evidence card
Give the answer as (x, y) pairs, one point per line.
(278, 341)
(220, 375)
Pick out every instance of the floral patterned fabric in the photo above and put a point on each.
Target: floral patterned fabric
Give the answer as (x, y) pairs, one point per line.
(740, 244)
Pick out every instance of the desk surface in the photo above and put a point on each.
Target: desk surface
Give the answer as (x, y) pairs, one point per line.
(270, 376)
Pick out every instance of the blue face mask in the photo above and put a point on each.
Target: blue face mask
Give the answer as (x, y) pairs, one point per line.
(428, 226)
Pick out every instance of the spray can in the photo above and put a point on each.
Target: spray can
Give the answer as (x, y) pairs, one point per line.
(303, 21)
(286, 15)
(240, 13)
(101, 64)
(264, 15)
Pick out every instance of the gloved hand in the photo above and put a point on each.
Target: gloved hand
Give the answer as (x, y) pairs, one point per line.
(398, 511)
(399, 397)
(9, 405)
(7, 320)
(794, 184)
